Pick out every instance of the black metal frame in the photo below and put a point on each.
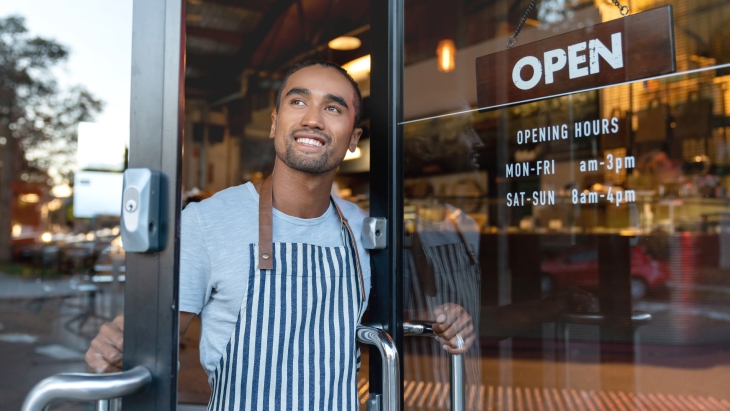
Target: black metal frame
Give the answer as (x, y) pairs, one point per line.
(386, 173)
(151, 291)
(151, 295)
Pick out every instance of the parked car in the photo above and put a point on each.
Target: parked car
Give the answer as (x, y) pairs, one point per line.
(580, 269)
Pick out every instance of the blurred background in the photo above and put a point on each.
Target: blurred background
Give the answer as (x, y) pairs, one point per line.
(64, 127)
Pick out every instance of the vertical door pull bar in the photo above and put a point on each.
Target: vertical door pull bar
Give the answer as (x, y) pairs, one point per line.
(86, 387)
(390, 364)
(456, 362)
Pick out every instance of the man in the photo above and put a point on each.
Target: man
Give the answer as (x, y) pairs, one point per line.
(280, 291)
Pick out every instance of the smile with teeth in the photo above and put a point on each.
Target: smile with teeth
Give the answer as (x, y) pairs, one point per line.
(309, 141)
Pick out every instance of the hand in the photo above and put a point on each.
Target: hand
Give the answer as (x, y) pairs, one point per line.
(453, 328)
(105, 353)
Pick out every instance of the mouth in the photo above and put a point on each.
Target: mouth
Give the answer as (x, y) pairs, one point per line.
(309, 140)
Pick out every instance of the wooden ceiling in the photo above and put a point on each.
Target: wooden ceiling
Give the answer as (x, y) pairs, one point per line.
(226, 38)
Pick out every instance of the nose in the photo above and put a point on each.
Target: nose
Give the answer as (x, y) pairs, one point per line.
(312, 118)
(473, 138)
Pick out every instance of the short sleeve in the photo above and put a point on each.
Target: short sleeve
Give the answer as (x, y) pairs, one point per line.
(195, 269)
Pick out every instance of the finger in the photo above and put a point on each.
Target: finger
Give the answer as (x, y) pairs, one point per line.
(446, 315)
(107, 352)
(464, 333)
(463, 321)
(96, 362)
(439, 314)
(119, 322)
(464, 348)
(112, 334)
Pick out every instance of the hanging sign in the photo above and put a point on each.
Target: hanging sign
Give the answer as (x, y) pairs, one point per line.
(625, 49)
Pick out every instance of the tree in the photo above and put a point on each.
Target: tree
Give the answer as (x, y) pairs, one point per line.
(38, 119)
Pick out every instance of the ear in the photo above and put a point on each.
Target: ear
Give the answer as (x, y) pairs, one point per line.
(272, 132)
(354, 138)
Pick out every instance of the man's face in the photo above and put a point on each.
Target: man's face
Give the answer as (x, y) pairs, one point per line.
(313, 128)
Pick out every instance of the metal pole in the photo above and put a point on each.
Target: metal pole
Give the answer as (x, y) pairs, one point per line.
(115, 404)
(390, 364)
(456, 363)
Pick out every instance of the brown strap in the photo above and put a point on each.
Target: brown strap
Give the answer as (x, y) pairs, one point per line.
(266, 225)
(266, 256)
(354, 246)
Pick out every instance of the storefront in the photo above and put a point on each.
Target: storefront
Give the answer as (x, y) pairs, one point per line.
(586, 229)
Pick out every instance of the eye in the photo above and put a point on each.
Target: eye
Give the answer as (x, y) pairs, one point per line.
(297, 102)
(333, 109)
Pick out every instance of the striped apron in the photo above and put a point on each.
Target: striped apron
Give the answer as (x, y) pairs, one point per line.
(294, 345)
(455, 278)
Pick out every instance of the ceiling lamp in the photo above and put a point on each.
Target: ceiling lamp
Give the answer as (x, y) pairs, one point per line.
(446, 52)
(344, 43)
(359, 68)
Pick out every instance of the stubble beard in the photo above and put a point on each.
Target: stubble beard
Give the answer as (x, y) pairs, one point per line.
(306, 164)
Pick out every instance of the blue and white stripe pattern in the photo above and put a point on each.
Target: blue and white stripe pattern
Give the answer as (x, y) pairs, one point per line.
(457, 281)
(294, 345)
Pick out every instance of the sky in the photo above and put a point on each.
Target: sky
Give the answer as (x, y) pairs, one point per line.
(99, 36)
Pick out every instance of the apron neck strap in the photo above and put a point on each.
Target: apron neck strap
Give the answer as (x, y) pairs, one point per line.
(266, 224)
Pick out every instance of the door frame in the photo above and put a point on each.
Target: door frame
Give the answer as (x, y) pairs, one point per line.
(156, 125)
(156, 117)
(386, 174)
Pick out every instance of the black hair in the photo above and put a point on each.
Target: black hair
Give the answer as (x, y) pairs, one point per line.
(328, 64)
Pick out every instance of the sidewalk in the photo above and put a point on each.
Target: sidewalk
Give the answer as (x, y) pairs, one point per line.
(33, 342)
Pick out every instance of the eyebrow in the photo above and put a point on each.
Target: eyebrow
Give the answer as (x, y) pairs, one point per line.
(330, 97)
(337, 99)
(298, 90)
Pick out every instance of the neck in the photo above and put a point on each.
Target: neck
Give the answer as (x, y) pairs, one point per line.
(300, 194)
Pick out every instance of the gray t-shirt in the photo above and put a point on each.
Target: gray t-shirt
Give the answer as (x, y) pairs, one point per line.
(214, 263)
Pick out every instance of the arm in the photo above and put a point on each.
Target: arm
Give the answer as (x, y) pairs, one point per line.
(106, 351)
(506, 321)
(517, 318)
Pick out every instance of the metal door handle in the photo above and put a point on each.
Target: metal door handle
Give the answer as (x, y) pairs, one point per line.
(390, 363)
(86, 387)
(456, 362)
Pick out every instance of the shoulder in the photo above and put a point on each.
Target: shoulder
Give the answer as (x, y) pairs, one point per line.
(351, 211)
(223, 203)
(463, 220)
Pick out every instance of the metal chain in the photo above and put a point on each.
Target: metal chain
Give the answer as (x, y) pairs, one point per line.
(513, 39)
(624, 10)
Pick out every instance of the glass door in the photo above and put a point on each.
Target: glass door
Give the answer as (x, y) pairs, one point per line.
(86, 278)
(592, 265)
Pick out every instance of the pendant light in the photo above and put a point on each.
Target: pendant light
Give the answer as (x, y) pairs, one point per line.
(344, 43)
(446, 52)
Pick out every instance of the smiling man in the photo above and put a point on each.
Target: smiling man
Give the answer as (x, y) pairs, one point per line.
(276, 271)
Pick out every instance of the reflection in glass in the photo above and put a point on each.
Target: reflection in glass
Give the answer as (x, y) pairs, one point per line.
(603, 270)
(442, 243)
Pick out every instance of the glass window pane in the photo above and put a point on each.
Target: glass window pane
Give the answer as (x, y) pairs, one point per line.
(600, 276)
(64, 128)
